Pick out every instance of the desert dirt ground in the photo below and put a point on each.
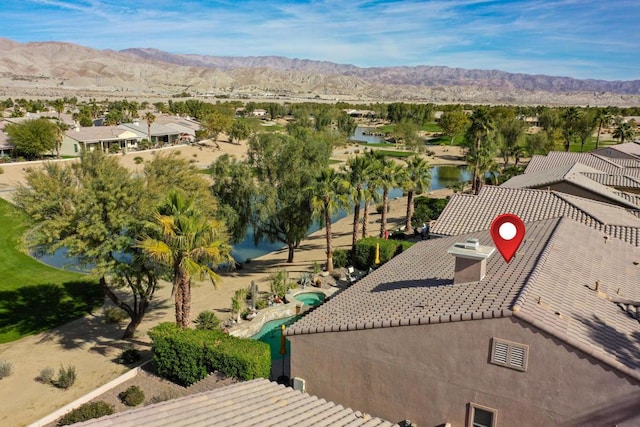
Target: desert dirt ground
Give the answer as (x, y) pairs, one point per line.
(92, 346)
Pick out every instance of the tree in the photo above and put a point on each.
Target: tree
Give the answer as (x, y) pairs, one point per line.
(479, 144)
(623, 131)
(570, 118)
(235, 190)
(189, 242)
(406, 132)
(284, 166)
(240, 130)
(391, 174)
(149, 117)
(215, 123)
(58, 106)
(327, 194)
(453, 123)
(416, 180)
(355, 174)
(603, 120)
(584, 127)
(346, 125)
(374, 166)
(94, 209)
(33, 138)
(511, 131)
(61, 128)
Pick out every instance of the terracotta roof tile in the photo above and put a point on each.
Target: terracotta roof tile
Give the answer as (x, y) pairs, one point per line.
(610, 165)
(252, 403)
(613, 180)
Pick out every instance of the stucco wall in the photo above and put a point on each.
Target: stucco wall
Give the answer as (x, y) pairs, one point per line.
(429, 374)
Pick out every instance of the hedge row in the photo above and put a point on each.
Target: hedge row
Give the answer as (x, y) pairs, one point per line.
(188, 355)
(366, 251)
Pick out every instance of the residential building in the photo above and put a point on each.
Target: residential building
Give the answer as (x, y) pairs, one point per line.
(104, 138)
(628, 150)
(448, 332)
(252, 403)
(610, 165)
(161, 135)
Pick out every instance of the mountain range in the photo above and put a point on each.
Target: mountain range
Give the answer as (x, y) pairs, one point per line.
(56, 68)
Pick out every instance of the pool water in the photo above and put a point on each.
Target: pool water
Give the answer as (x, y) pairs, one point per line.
(271, 333)
(312, 299)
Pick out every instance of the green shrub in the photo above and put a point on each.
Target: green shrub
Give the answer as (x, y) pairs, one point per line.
(188, 355)
(133, 396)
(341, 257)
(262, 303)
(379, 208)
(366, 251)
(114, 315)
(6, 369)
(66, 377)
(427, 209)
(165, 395)
(46, 376)
(138, 160)
(207, 320)
(86, 412)
(279, 283)
(129, 356)
(1, 171)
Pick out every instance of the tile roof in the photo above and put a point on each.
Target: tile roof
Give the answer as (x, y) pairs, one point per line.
(251, 403)
(599, 162)
(613, 180)
(100, 133)
(465, 213)
(157, 129)
(555, 264)
(573, 174)
(632, 148)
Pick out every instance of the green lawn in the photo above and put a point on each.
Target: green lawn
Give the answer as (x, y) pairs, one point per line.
(590, 145)
(33, 296)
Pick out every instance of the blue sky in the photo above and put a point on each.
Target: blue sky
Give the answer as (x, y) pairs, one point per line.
(578, 38)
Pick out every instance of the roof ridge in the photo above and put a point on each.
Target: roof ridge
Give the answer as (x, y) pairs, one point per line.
(606, 159)
(544, 254)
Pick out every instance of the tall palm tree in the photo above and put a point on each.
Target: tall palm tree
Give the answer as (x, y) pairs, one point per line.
(328, 194)
(416, 180)
(477, 140)
(186, 241)
(571, 116)
(374, 165)
(391, 174)
(355, 174)
(603, 119)
(149, 117)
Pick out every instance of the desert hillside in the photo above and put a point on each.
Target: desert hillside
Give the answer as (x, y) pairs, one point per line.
(61, 69)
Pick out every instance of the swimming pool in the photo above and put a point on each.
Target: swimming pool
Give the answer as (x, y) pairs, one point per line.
(312, 299)
(271, 332)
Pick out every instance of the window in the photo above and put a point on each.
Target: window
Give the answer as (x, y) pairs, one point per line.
(481, 416)
(509, 354)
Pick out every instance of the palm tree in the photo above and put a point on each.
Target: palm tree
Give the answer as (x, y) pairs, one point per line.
(623, 131)
(149, 118)
(374, 165)
(603, 119)
(61, 128)
(189, 243)
(417, 180)
(391, 173)
(328, 194)
(477, 140)
(355, 174)
(571, 116)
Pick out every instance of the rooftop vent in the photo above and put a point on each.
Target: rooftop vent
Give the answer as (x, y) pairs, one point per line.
(471, 260)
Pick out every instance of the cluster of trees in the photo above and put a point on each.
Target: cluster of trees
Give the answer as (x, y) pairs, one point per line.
(130, 230)
(286, 183)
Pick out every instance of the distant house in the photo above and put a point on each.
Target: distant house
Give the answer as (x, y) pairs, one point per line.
(610, 165)
(186, 127)
(467, 213)
(252, 403)
(103, 138)
(447, 332)
(161, 135)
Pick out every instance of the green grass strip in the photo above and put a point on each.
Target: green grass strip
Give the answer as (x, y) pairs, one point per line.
(33, 296)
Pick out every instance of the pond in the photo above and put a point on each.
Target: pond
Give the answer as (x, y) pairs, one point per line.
(441, 177)
(363, 134)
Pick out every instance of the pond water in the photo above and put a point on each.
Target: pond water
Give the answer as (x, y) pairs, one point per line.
(441, 177)
(360, 135)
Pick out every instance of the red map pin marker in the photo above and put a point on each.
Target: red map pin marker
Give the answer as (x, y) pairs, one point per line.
(507, 232)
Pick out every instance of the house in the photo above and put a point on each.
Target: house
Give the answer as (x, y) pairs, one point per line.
(186, 127)
(467, 213)
(161, 134)
(628, 150)
(104, 138)
(580, 180)
(252, 403)
(447, 332)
